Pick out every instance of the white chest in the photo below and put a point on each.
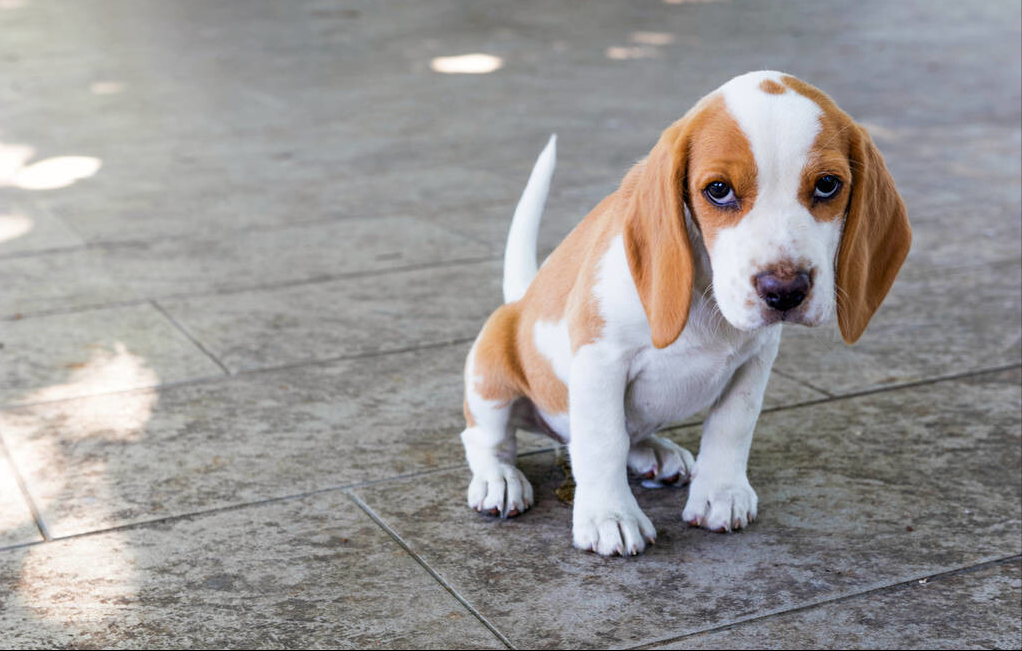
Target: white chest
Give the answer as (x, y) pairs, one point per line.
(666, 386)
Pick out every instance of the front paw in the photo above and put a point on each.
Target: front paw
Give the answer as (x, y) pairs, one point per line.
(661, 460)
(503, 491)
(608, 530)
(720, 505)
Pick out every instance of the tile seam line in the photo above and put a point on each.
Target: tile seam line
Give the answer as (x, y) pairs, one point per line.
(463, 340)
(137, 242)
(803, 383)
(229, 291)
(40, 524)
(227, 508)
(192, 338)
(936, 577)
(247, 372)
(867, 392)
(418, 559)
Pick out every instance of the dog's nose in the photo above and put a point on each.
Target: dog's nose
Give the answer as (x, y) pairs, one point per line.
(783, 290)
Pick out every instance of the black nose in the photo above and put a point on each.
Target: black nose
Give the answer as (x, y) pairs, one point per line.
(783, 290)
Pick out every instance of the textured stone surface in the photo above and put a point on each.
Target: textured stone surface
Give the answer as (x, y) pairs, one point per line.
(293, 182)
(16, 523)
(97, 351)
(140, 455)
(350, 316)
(298, 573)
(166, 267)
(25, 228)
(931, 324)
(961, 611)
(853, 495)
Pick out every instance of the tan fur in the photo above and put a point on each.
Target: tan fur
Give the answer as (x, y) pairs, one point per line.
(772, 87)
(719, 151)
(876, 236)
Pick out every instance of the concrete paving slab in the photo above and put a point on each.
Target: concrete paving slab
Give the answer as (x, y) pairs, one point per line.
(970, 610)
(854, 495)
(17, 526)
(168, 267)
(351, 316)
(97, 351)
(136, 456)
(299, 573)
(25, 228)
(931, 323)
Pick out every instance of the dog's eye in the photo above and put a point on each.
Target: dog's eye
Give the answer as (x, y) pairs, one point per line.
(826, 187)
(720, 193)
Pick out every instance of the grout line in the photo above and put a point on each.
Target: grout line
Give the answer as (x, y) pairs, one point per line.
(190, 336)
(397, 538)
(36, 515)
(803, 383)
(253, 371)
(282, 284)
(966, 569)
(866, 392)
(261, 502)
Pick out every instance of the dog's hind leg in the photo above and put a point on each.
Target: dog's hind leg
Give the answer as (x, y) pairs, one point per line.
(497, 486)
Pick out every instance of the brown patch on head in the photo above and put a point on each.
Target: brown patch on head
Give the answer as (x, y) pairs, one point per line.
(827, 156)
(876, 235)
(719, 150)
(772, 87)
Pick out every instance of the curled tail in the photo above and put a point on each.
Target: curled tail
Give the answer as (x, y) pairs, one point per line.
(520, 254)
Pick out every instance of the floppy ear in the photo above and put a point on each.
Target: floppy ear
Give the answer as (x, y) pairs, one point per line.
(656, 240)
(875, 240)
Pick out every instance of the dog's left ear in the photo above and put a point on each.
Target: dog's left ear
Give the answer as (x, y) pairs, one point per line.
(875, 240)
(656, 240)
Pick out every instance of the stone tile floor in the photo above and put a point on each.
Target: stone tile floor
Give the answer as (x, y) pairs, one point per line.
(244, 246)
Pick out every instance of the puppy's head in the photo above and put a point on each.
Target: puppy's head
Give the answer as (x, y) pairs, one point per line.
(794, 204)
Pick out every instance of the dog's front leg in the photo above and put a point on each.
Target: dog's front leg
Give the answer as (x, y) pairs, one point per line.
(606, 518)
(720, 497)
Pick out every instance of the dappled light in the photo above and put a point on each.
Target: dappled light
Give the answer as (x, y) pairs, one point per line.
(622, 53)
(653, 38)
(13, 226)
(107, 370)
(47, 174)
(467, 64)
(106, 88)
(56, 172)
(100, 573)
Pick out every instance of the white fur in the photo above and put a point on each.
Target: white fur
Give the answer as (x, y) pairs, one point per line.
(520, 252)
(781, 130)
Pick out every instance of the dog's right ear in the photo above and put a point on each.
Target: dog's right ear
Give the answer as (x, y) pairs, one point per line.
(655, 237)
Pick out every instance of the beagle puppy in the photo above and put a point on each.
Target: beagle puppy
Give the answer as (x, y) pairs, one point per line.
(765, 204)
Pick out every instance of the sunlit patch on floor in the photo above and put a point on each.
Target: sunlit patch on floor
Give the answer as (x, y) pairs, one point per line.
(106, 87)
(47, 174)
(467, 64)
(622, 53)
(13, 226)
(652, 38)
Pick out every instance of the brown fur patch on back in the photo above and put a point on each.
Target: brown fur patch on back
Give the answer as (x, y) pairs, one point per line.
(772, 87)
(507, 363)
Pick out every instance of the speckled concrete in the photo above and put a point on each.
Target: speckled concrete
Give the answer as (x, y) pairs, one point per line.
(94, 352)
(17, 525)
(853, 495)
(315, 572)
(244, 244)
(134, 456)
(923, 613)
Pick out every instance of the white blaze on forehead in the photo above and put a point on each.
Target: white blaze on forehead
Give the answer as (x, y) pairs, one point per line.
(780, 127)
